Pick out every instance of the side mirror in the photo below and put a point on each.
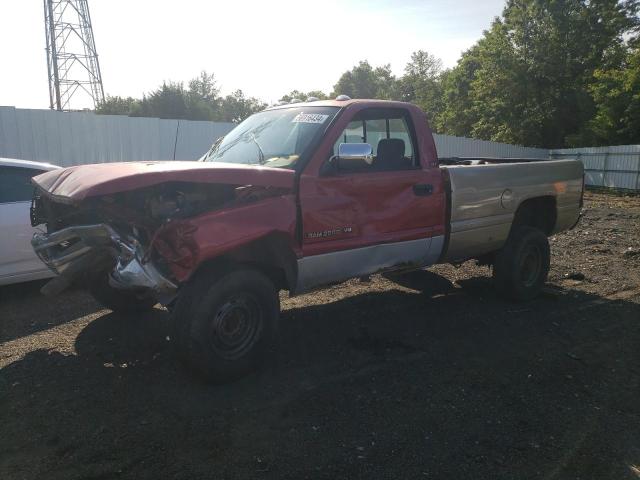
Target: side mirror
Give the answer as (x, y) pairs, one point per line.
(356, 151)
(350, 157)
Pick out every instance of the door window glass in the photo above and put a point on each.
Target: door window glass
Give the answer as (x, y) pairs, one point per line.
(389, 134)
(398, 128)
(354, 133)
(376, 131)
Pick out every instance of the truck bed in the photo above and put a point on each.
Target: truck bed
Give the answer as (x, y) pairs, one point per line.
(486, 193)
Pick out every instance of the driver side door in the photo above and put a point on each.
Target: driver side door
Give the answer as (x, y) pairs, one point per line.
(385, 215)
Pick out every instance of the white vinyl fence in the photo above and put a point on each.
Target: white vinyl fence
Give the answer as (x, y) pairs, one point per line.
(449, 146)
(612, 167)
(74, 138)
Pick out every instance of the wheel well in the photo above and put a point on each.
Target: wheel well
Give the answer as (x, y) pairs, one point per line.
(272, 255)
(539, 212)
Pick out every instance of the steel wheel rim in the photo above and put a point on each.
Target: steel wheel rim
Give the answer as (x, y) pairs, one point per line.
(236, 326)
(530, 266)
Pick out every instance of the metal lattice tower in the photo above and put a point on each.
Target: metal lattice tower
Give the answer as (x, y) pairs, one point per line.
(72, 61)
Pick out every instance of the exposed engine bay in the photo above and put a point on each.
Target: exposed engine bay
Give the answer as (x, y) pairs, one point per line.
(137, 238)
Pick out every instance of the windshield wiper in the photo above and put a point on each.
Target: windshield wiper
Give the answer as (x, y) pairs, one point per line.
(261, 153)
(213, 148)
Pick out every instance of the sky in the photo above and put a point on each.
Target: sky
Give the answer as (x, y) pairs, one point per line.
(266, 48)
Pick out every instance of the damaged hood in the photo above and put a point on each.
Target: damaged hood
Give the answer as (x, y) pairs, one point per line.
(74, 184)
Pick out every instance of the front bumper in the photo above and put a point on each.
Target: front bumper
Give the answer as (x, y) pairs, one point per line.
(78, 250)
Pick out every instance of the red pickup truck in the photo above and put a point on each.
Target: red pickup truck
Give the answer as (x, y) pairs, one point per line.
(296, 197)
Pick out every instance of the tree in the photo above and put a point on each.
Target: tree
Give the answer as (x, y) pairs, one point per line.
(200, 102)
(423, 65)
(616, 93)
(422, 84)
(363, 81)
(501, 105)
(457, 117)
(114, 105)
(203, 102)
(171, 100)
(236, 107)
(297, 94)
(168, 101)
(527, 80)
(204, 87)
(293, 95)
(319, 94)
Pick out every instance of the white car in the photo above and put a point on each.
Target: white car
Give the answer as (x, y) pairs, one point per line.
(18, 262)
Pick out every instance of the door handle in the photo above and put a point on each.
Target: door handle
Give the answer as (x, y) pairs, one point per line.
(423, 189)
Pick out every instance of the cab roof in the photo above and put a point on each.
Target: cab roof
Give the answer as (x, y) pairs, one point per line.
(344, 103)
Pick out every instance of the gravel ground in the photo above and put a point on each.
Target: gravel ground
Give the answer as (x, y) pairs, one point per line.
(427, 376)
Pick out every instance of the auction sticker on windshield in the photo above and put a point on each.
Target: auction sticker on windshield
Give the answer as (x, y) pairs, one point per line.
(309, 118)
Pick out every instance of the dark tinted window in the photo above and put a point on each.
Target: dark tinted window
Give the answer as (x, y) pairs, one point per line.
(15, 184)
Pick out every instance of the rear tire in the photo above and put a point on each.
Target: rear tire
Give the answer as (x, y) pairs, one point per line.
(521, 267)
(121, 301)
(224, 322)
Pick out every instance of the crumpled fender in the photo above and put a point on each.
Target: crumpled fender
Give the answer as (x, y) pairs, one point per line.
(187, 244)
(74, 184)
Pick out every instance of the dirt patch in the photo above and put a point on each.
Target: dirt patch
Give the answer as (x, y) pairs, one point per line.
(427, 376)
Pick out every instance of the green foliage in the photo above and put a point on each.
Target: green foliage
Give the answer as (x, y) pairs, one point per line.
(201, 101)
(364, 81)
(500, 106)
(204, 87)
(457, 117)
(529, 79)
(422, 84)
(297, 94)
(117, 106)
(168, 101)
(617, 96)
(236, 107)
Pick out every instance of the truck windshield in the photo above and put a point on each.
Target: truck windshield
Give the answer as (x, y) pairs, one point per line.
(275, 138)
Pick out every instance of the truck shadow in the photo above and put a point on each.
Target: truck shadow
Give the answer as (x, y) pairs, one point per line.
(25, 311)
(426, 377)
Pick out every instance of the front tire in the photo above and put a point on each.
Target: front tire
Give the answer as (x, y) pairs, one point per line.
(224, 323)
(520, 269)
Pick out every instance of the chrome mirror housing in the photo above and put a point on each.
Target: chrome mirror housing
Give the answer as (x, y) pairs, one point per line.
(351, 157)
(355, 151)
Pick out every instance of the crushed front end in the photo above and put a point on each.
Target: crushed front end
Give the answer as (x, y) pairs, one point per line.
(136, 231)
(129, 237)
(77, 251)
